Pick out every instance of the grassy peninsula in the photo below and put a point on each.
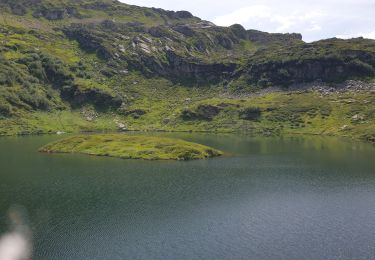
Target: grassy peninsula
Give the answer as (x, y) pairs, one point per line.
(132, 147)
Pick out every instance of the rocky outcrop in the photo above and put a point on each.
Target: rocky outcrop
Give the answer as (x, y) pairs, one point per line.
(239, 31)
(173, 14)
(100, 98)
(18, 9)
(280, 38)
(192, 51)
(88, 40)
(184, 29)
(250, 113)
(160, 32)
(97, 5)
(135, 113)
(56, 13)
(196, 71)
(202, 112)
(181, 15)
(263, 37)
(326, 69)
(179, 68)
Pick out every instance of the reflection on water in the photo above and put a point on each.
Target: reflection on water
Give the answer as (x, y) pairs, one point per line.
(268, 198)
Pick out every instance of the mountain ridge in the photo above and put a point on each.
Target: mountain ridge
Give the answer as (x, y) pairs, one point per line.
(108, 57)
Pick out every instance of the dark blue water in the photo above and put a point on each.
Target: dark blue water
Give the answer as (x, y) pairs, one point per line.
(270, 198)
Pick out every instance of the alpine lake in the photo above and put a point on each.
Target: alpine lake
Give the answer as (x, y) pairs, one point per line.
(300, 197)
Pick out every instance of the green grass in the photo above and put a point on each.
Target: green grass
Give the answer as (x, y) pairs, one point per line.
(132, 147)
(47, 80)
(281, 113)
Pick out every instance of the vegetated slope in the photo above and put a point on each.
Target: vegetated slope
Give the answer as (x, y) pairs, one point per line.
(132, 147)
(104, 65)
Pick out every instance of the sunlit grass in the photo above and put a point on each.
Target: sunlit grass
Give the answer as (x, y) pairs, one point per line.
(132, 147)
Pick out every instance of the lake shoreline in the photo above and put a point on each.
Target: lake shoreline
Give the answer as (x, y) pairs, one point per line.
(343, 137)
(313, 110)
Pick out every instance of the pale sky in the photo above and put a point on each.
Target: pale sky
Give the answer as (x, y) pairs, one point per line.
(315, 19)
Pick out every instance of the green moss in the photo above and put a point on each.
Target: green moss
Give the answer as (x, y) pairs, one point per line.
(132, 147)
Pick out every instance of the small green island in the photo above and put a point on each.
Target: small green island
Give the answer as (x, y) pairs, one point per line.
(132, 147)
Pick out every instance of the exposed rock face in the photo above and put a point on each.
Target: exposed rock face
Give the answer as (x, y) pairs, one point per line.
(239, 31)
(226, 42)
(264, 37)
(251, 113)
(182, 15)
(185, 30)
(187, 49)
(173, 14)
(88, 40)
(202, 112)
(97, 97)
(18, 9)
(328, 69)
(155, 53)
(160, 32)
(208, 112)
(135, 113)
(56, 13)
(97, 6)
(180, 67)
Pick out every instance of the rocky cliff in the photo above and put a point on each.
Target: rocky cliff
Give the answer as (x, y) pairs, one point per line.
(72, 50)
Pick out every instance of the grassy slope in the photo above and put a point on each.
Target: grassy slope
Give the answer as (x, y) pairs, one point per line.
(162, 100)
(349, 114)
(132, 147)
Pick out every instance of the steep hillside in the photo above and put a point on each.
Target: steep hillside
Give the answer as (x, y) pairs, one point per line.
(83, 65)
(332, 60)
